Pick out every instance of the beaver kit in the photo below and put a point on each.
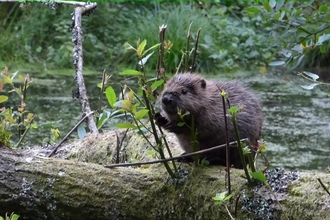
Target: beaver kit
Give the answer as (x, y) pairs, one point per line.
(190, 92)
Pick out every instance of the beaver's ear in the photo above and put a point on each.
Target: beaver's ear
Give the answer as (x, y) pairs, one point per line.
(203, 83)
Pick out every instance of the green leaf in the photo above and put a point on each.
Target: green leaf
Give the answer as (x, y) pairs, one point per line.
(33, 126)
(104, 116)
(311, 75)
(279, 4)
(298, 12)
(228, 197)
(246, 150)
(8, 80)
(81, 131)
(267, 6)
(277, 15)
(127, 46)
(285, 10)
(277, 63)
(151, 153)
(310, 87)
(145, 59)
(14, 75)
(140, 114)
(323, 8)
(252, 10)
(222, 196)
(13, 216)
(118, 104)
(156, 84)
(324, 37)
(259, 176)
(3, 98)
(141, 47)
(233, 110)
(127, 105)
(181, 123)
(323, 49)
(272, 3)
(126, 125)
(151, 48)
(111, 96)
(130, 73)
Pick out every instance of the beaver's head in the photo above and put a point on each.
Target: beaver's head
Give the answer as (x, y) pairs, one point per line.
(184, 91)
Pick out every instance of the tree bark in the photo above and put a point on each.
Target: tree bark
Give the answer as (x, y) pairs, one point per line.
(50, 188)
(77, 37)
(37, 187)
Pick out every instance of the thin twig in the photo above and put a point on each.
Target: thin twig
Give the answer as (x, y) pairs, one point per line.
(323, 186)
(227, 143)
(180, 63)
(173, 158)
(120, 143)
(236, 204)
(240, 150)
(24, 134)
(101, 90)
(160, 62)
(187, 49)
(193, 65)
(309, 79)
(70, 132)
(117, 147)
(231, 217)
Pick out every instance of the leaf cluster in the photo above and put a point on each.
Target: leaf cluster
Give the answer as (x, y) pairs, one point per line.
(11, 119)
(12, 216)
(299, 31)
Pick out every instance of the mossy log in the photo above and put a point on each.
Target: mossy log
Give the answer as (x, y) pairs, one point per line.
(37, 187)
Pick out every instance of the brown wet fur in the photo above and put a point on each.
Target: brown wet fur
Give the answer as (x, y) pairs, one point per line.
(202, 98)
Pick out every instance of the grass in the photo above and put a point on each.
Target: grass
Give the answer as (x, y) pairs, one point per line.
(42, 37)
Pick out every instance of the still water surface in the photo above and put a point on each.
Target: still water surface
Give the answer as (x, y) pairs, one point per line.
(296, 126)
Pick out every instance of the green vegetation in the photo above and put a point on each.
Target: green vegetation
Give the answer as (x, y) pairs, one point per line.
(299, 31)
(14, 121)
(11, 217)
(235, 35)
(41, 36)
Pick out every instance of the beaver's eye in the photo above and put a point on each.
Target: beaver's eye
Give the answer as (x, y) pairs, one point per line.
(184, 91)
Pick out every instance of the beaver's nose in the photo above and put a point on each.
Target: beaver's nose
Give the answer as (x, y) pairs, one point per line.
(167, 99)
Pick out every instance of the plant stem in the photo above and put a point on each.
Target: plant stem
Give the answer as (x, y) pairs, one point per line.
(323, 186)
(101, 91)
(23, 135)
(240, 150)
(193, 65)
(251, 164)
(168, 149)
(157, 140)
(187, 49)
(193, 139)
(227, 144)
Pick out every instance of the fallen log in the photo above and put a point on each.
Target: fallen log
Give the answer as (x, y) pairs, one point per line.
(37, 187)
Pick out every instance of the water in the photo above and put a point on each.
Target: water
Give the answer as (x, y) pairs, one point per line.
(297, 122)
(296, 126)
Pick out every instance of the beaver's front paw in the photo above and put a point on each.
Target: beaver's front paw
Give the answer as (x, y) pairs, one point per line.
(160, 120)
